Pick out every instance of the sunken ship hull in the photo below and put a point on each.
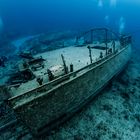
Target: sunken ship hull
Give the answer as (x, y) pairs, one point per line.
(51, 104)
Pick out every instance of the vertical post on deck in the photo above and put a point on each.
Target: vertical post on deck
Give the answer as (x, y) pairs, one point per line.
(90, 56)
(64, 64)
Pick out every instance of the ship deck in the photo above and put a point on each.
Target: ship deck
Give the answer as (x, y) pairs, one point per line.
(78, 56)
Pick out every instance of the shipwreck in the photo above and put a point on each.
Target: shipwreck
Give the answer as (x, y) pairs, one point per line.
(70, 78)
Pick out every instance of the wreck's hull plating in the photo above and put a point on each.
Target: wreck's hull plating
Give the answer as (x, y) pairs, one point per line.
(53, 105)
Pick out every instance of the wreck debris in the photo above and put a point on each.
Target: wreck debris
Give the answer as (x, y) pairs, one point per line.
(36, 63)
(71, 67)
(109, 50)
(55, 71)
(36, 60)
(50, 75)
(21, 77)
(25, 65)
(39, 80)
(26, 55)
(33, 64)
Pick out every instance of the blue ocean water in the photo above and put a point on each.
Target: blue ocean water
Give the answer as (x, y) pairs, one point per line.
(26, 17)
